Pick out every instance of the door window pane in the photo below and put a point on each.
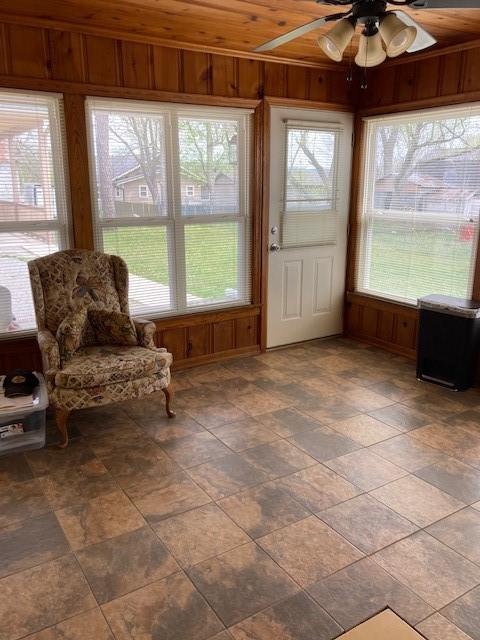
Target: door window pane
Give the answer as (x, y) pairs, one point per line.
(310, 183)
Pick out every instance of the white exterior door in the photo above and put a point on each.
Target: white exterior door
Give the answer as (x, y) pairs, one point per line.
(310, 163)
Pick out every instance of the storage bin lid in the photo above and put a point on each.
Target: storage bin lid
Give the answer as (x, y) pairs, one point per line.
(451, 306)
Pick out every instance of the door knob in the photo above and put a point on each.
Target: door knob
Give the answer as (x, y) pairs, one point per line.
(275, 247)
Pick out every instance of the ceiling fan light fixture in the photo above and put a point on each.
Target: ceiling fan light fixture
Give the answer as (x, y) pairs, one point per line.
(370, 51)
(397, 35)
(334, 43)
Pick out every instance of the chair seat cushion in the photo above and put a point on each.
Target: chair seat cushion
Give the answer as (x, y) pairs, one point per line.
(109, 364)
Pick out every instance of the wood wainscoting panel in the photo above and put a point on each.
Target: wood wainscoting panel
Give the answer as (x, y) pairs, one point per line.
(384, 324)
(223, 336)
(175, 341)
(209, 336)
(193, 339)
(199, 340)
(246, 332)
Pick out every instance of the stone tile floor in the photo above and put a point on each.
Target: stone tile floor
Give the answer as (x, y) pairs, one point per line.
(296, 494)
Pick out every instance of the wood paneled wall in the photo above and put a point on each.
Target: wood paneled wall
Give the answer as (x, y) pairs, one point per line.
(78, 65)
(47, 54)
(429, 81)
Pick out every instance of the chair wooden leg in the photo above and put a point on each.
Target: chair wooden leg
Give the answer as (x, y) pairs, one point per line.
(61, 418)
(168, 399)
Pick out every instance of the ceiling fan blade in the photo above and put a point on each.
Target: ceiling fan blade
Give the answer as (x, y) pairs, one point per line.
(296, 33)
(423, 39)
(446, 4)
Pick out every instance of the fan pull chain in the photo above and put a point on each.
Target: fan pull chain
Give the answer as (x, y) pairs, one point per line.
(350, 63)
(364, 84)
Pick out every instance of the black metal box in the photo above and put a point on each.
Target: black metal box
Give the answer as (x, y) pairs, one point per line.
(448, 341)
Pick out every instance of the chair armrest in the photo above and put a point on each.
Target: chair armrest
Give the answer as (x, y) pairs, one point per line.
(145, 332)
(49, 350)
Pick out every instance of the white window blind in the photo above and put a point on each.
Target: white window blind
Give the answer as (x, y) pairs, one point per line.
(33, 197)
(419, 213)
(187, 239)
(312, 166)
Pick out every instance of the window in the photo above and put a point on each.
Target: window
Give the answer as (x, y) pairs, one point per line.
(183, 254)
(119, 193)
(33, 201)
(310, 186)
(142, 191)
(420, 205)
(190, 190)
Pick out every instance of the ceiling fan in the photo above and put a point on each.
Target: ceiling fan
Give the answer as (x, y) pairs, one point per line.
(399, 31)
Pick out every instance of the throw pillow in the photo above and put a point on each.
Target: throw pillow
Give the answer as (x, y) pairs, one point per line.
(70, 333)
(112, 327)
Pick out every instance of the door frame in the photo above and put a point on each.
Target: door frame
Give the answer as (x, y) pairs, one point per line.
(265, 110)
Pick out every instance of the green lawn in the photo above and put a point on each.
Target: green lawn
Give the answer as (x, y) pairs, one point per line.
(211, 255)
(402, 262)
(420, 262)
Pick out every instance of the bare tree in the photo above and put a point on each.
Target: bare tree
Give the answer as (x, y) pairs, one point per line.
(205, 153)
(143, 138)
(304, 144)
(104, 167)
(304, 152)
(402, 149)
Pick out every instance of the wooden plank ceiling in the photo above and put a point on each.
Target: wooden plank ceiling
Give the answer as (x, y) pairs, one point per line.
(233, 26)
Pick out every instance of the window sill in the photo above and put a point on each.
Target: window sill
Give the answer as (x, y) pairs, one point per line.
(380, 300)
(18, 335)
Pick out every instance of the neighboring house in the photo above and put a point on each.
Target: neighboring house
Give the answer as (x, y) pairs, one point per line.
(444, 185)
(130, 187)
(25, 194)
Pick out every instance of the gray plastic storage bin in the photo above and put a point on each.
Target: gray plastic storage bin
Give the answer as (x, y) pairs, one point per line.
(33, 419)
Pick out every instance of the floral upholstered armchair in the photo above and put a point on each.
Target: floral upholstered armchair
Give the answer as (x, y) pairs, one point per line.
(93, 353)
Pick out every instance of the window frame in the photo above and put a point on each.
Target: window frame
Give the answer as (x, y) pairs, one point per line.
(174, 221)
(62, 224)
(363, 231)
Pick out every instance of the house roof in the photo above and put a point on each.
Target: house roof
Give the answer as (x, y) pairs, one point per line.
(128, 174)
(426, 183)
